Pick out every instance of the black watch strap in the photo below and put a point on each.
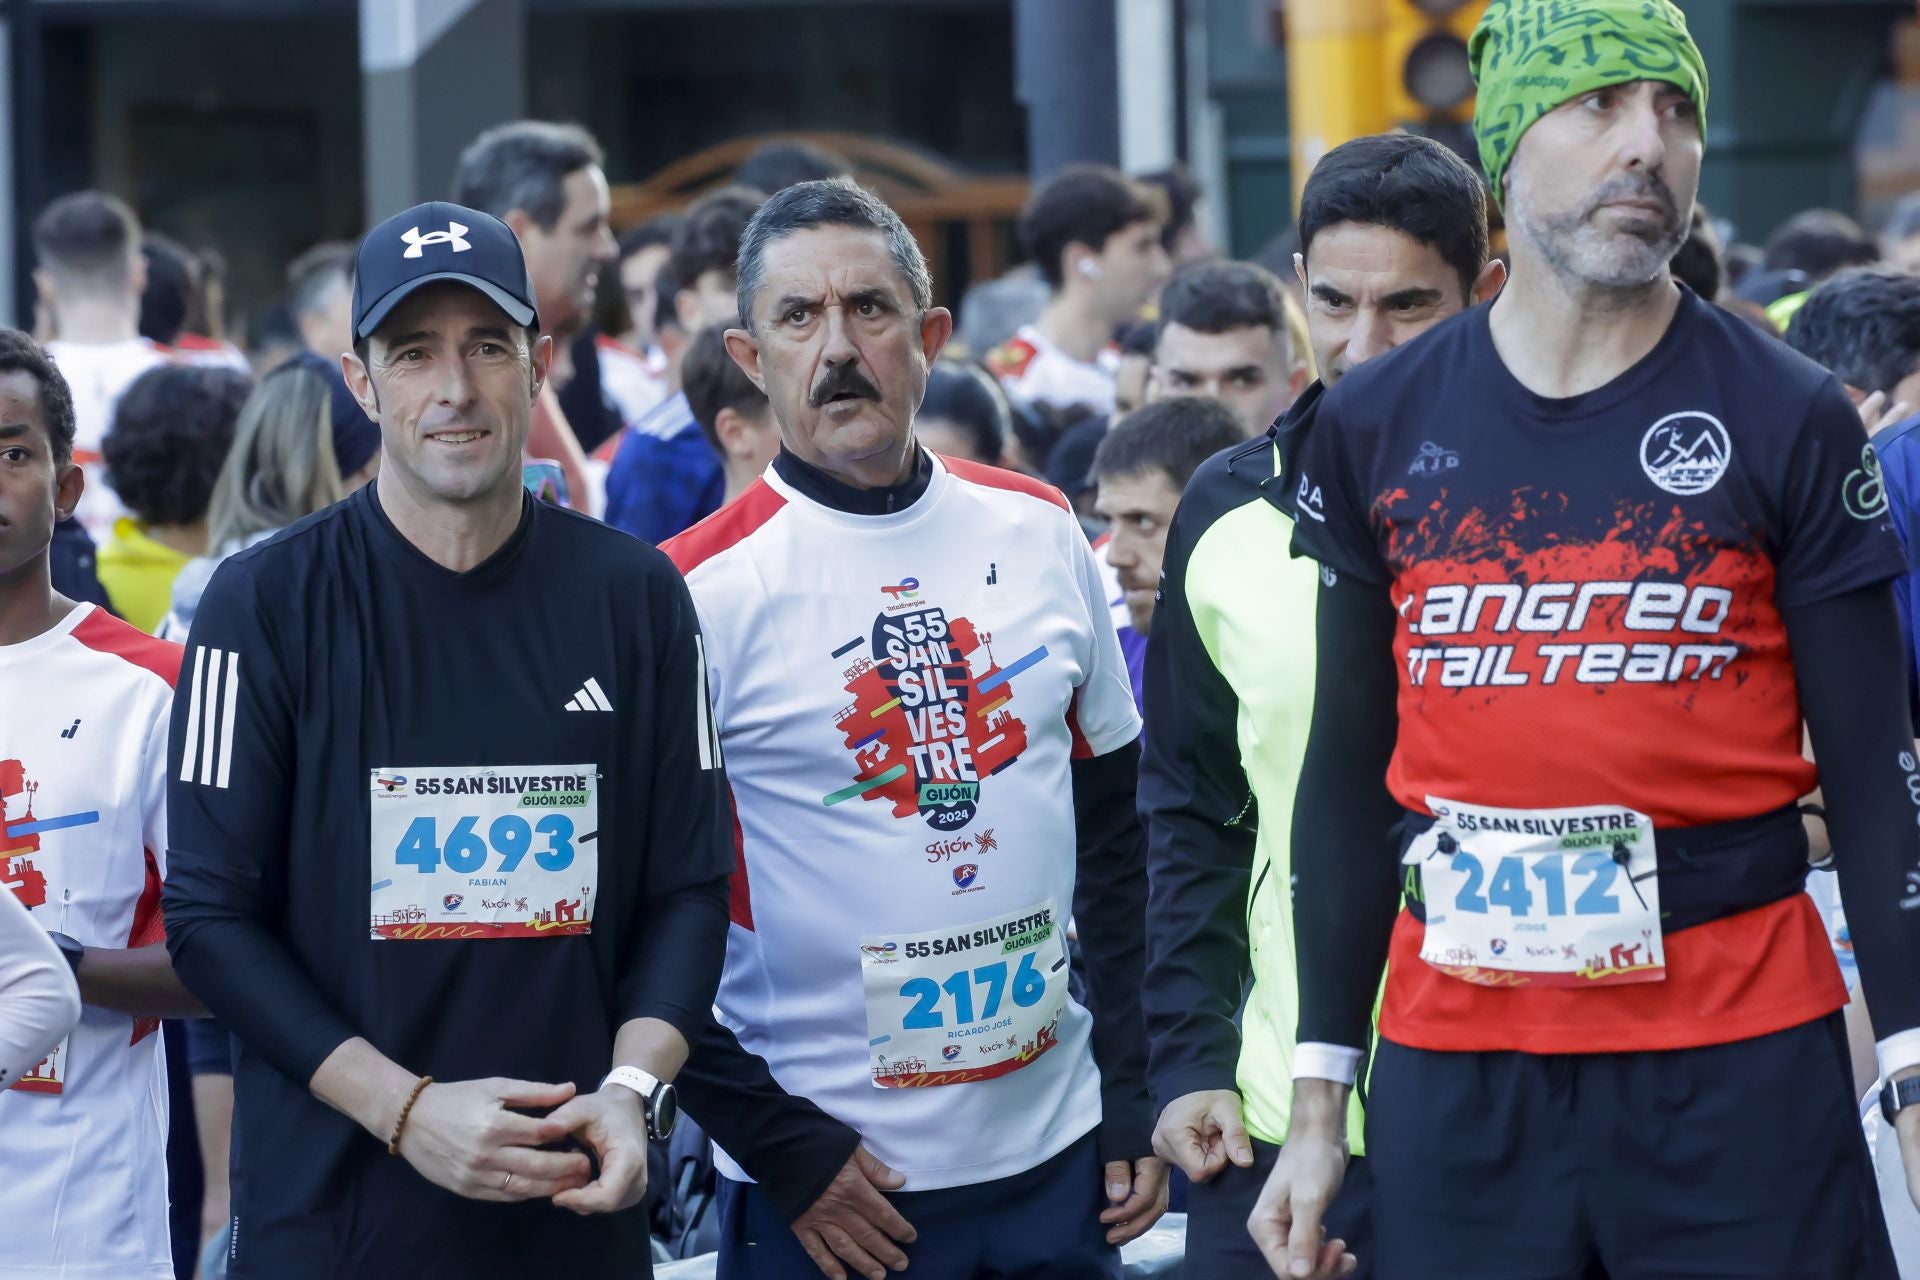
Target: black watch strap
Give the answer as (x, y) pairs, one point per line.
(71, 948)
(1897, 1096)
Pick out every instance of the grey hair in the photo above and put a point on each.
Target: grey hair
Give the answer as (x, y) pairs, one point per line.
(831, 202)
(311, 276)
(524, 165)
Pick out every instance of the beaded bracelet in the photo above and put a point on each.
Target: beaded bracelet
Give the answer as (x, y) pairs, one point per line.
(393, 1143)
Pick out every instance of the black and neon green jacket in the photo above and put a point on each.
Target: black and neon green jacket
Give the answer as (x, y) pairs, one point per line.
(1229, 693)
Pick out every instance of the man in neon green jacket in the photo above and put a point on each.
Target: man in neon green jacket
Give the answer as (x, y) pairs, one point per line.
(1394, 240)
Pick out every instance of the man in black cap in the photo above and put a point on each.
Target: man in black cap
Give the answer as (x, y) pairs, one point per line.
(449, 834)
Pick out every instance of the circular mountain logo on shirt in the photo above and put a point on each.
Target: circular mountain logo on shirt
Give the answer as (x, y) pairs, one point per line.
(1686, 453)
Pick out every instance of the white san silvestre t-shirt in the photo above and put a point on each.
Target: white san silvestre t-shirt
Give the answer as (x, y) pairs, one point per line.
(83, 1136)
(898, 697)
(98, 373)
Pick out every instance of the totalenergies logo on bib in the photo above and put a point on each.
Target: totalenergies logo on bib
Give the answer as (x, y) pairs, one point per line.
(929, 718)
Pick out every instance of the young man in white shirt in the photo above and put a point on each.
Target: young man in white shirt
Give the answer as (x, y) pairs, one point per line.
(82, 846)
(1096, 237)
(90, 275)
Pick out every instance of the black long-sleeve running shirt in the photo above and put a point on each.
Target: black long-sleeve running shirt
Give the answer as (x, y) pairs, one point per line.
(476, 818)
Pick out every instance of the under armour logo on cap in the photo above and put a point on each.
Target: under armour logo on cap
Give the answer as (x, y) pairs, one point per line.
(455, 235)
(392, 262)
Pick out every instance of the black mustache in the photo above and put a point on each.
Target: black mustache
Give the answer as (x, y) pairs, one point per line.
(843, 378)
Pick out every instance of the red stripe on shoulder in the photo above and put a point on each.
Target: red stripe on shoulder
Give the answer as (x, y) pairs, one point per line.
(104, 633)
(727, 527)
(1100, 543)
(1001, 478)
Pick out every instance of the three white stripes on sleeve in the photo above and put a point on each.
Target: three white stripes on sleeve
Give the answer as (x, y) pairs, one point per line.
(206, 756)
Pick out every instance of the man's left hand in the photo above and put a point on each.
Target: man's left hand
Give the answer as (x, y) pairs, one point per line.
(613, 1123)
(1136, 1196)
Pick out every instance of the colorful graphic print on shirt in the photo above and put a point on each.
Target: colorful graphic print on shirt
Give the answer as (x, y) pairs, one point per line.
(929, 719)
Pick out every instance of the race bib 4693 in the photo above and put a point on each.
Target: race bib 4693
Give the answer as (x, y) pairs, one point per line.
(506, 852)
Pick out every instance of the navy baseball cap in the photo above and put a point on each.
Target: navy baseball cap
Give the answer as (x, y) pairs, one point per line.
(439, 241)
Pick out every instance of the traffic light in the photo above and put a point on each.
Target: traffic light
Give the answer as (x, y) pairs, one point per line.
(1356, 67)
(1424, 47)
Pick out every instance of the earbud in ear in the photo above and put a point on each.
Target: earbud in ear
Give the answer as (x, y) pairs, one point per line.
(1089, 268)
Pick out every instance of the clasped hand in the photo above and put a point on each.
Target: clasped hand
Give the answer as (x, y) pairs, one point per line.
(472, 1138)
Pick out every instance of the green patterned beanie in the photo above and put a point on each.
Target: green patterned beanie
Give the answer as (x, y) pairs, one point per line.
(1529, 56)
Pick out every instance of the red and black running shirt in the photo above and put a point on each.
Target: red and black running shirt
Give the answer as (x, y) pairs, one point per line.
(1589, 594)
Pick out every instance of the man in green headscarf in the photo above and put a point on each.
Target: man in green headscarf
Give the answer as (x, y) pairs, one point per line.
(1530, 56)
(1609, 1036)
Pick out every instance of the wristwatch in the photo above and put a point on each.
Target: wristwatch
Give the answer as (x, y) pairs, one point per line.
(71, 948)
(657, 1099)
(1897, 1096)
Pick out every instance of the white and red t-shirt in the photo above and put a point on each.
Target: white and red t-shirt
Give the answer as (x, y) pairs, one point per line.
(83, 756)
(98, 373)
(898, 697)
(1034, 371)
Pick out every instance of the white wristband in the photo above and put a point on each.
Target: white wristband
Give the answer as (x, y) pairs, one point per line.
(1898, 1052)
(641, 1082)
(1335, 1062)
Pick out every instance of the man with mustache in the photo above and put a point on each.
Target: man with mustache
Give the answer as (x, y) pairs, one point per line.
(1589, 556)
(932, 748)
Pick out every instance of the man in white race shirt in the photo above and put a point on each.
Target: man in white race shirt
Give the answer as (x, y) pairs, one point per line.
(83, 744)
(90, 275)
(932, 749)
(1095, 234)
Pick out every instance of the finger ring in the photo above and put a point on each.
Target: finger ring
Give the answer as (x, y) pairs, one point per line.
(508, 1184)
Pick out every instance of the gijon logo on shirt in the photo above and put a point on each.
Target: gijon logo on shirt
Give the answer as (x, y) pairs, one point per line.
(929, 718)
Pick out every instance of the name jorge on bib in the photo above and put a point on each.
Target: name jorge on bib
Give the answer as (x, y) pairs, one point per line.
(484, 852)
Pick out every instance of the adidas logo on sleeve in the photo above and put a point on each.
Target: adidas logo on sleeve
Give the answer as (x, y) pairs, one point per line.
(590, 697)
